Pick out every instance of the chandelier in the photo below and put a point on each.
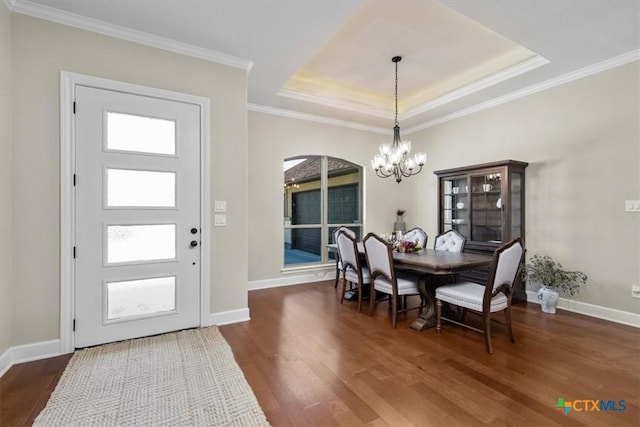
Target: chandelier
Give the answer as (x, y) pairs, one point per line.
(394, 159)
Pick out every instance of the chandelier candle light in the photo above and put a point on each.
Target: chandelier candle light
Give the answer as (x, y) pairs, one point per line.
(394, 159)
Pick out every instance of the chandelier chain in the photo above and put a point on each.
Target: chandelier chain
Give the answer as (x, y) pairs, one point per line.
(396, 118)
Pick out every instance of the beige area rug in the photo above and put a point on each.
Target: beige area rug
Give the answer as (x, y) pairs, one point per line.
(186, 378)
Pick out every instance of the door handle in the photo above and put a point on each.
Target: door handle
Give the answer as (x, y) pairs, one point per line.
(194, 243)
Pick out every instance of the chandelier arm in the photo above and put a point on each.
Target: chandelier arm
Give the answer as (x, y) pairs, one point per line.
(381, 174)
(407, 172)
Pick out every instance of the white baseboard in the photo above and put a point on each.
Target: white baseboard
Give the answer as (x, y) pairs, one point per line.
(27, 353)
(291, 280)
(592, 310)
(46, 349)
(227, 317)
(5, 361)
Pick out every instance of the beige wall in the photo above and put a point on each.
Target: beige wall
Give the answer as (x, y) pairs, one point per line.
(5, 178)
(41, 50)
(582, 143)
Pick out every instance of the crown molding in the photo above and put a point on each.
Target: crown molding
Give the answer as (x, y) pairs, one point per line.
(495, 78)
(599, 67)
(371, 110)
(317, 119)
(341, 104)
(40, 11)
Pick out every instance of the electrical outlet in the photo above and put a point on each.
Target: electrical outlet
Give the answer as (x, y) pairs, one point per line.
(635, 291)
(219, 220)
(632, 205)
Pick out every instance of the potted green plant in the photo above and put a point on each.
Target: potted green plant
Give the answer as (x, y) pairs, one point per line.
(554, 280)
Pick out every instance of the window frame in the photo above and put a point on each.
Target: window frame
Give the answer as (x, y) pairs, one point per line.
(324, 224)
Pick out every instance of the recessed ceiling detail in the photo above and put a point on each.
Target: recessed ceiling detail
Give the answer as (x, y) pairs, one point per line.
(445, 56)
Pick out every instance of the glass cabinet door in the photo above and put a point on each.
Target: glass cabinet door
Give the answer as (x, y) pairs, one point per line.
(455, 205)
(517, 204)
(487, 208)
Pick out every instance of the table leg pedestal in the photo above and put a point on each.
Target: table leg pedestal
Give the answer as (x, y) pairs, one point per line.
(427, 319)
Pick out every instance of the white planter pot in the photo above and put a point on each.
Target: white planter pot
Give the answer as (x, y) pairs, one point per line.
(548, 299)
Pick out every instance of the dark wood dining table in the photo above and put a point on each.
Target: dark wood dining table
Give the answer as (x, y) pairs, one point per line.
(431, 263)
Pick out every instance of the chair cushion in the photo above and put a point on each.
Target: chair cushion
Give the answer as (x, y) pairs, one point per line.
(339, 265)
(469, 295)
(352, 276)
(450, 242)
(406, 286)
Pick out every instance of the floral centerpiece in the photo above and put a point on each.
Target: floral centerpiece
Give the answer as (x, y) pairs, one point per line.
(406, 246)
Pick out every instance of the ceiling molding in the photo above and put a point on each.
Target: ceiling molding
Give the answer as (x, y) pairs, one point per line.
(317, 119)
(599, 67)
(341, 104)
(516, 70)
(37, 10)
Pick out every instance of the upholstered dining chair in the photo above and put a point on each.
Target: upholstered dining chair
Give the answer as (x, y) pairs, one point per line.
(416, 234)
(335, 240)
(352, 271)
(384, 279)
(450, 241)
(493, 296)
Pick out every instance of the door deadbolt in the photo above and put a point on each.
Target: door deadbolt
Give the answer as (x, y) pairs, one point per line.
(194, 243)
(194, 230)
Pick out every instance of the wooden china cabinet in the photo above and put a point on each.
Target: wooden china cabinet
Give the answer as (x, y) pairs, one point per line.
(484, 203)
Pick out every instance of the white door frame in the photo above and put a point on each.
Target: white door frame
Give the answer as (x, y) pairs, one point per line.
(68, 83)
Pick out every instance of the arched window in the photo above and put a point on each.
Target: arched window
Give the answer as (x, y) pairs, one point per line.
(320, 194)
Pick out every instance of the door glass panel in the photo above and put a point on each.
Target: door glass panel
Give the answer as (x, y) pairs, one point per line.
(127, 132)
(140, 297)
(129, 243)
(136, 188)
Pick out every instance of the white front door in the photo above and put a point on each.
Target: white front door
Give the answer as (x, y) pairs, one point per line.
(137, 216)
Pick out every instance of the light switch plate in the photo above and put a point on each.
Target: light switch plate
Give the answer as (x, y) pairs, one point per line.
(632, 205)
(220, 206)
(220, 220)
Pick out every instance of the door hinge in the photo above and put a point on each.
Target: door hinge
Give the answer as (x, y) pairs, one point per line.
(74, 325)
(74, 252)
(74, 179)
(74, 107)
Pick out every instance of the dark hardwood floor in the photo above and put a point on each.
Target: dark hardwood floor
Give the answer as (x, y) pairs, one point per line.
(314, 362)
